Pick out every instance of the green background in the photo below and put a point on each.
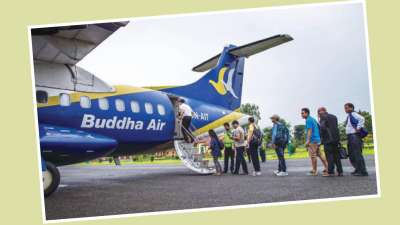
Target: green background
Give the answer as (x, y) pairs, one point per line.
(20, 195)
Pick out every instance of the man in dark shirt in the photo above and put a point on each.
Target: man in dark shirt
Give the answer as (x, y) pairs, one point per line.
(330, 138)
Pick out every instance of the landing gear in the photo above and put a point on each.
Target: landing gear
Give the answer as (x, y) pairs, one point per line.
(51, 179)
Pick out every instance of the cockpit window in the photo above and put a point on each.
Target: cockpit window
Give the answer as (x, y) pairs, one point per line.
(64, 99)
(119, 105)
(148, 107)
(41, 96)
(85, 102)
(103, 104)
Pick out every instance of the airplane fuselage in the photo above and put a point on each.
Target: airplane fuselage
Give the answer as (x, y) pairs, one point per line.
(79, 126)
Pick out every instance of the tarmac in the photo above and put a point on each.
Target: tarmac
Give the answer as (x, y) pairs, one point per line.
(87, 191)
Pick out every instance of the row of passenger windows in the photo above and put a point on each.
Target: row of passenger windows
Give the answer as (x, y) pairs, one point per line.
(103, 103)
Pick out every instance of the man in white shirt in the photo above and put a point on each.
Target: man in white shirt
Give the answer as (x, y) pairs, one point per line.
(238, 137)
(185, 115)
(354, 123)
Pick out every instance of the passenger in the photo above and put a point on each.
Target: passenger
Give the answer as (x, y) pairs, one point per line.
(229, 154)
(354, 123)
(263, 155)
(253, 140)
(238, 137)
(185, 115)
(246, 148)
(280, 138)
(330, 138)
(313, 140)
(216, 146)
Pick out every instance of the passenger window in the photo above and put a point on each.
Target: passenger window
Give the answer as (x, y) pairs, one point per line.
(41, 96)
(119, 105)
(135, 106)
(85, 102)
(103, 104)
(148, 107)
(161, 109)
(65, 99)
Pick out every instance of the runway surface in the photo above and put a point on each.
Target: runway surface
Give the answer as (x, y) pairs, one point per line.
(87, 191)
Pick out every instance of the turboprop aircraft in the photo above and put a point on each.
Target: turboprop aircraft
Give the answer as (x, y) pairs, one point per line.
(81, 118)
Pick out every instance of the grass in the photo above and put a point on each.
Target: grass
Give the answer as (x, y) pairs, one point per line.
(301, 153)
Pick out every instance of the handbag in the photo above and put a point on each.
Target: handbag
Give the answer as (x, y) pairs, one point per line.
(343, 152)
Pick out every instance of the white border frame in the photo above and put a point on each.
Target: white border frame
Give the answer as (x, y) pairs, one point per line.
(378, 195)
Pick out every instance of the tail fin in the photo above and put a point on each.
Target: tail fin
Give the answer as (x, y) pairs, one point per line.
(222, 85)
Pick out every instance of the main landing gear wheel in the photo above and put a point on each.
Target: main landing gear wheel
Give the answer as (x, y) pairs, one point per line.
(51, 179)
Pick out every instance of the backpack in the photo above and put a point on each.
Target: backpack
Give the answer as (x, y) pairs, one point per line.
(220, 144)
(354, 122)
(257, 136)
(282, 135)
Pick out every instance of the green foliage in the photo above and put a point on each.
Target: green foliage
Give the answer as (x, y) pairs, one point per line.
(368, 120)
(299, 135)
(267, 133)
(342, 131)
(251, 109)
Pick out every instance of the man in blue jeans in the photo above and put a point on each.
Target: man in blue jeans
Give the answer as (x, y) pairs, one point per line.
(280, 137)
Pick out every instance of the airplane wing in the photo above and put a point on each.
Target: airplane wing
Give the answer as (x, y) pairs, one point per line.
(70, 44)
(246, 50)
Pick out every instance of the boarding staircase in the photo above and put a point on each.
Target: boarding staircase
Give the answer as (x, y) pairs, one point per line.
(191, 154)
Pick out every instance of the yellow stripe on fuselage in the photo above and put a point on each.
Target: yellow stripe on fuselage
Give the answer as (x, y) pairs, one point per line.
(220, 122)
(75, 96)
(157, 88)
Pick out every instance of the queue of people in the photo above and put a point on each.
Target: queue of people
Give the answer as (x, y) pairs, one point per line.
(235, 143)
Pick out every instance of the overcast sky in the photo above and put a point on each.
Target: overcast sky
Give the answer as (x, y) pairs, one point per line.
(325, 64)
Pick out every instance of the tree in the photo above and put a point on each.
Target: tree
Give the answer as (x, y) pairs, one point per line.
(368, 120)
(342, 131)
(267, 134)
(299, 134)
(251, 109)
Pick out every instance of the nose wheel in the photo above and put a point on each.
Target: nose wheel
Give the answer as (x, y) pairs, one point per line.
(51, 179)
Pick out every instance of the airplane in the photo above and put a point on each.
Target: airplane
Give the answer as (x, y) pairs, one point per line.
(81, 118)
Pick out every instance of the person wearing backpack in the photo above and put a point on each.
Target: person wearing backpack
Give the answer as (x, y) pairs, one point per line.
(254, 139)
(280, 138)
(229, 154)
(216, 146)
(355, 131)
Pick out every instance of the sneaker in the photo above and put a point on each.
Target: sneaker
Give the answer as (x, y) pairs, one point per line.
(282, 174)
(276, 172)
(254, 174)
(258, 173)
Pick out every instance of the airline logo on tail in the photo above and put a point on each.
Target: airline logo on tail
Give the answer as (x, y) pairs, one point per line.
(221, 86)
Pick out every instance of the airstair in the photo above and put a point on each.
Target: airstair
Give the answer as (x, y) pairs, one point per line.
(191, 154)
